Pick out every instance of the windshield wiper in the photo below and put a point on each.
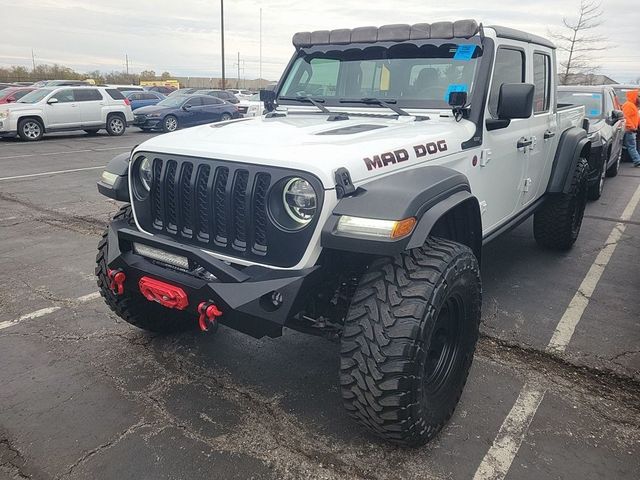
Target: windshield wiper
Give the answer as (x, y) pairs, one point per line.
(388, 103)
(313, 101)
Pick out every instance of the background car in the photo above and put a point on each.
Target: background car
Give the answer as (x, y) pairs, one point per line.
(183, 91)
(143, 99)
(222, 94)
(606, 129)
(251, 106)
(127, 88)
(183, 111)
(13, 94)
(66, 108)
(161, 89)
(241, 92)
(61, 83)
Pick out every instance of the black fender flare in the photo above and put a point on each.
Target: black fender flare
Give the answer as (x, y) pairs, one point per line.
(427, 193)
(573, 144)
(119, 190)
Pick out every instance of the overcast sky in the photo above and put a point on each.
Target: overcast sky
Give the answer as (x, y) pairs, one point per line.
(183, 36)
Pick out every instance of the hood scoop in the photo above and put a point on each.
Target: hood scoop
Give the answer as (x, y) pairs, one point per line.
(350, 130)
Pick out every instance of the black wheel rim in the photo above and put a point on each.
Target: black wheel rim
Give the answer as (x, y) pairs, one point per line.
(444, 347)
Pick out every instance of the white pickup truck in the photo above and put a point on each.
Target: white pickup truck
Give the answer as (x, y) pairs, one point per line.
(356, 208)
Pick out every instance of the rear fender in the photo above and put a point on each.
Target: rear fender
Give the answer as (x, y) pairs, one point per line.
(572, 146)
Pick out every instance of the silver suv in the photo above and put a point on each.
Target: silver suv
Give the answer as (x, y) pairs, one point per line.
(66, 108)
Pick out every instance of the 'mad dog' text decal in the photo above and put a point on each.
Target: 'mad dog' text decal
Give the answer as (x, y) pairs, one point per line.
(402, 155)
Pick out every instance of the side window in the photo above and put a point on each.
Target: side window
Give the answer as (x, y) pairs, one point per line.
(64, 96)
(194, 102)
(87, 94)
(211, 101)
(147, 96)
(20, 93)
(608, 103)
(509, 68)
(542, 82)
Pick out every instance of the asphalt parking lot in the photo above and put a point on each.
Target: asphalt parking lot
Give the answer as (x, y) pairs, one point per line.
(554, 391)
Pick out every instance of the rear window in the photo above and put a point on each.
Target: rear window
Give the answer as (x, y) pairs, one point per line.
(592, 101)
(115, 94)
(87, 94)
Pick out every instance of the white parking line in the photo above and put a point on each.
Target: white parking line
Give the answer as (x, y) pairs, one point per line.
(55, 172)
(496, 463)
(46, 311)
(45, 154)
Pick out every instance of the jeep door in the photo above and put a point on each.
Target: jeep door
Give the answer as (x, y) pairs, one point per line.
(64, 113)
(543, 124)
(90, 102)
(503, 162)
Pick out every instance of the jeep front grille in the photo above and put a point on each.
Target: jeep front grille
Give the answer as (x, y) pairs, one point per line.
(220, 206)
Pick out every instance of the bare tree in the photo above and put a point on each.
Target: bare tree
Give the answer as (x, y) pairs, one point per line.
(578, 43)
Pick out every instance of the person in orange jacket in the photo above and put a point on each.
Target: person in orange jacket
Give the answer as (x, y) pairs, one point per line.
(632, 118)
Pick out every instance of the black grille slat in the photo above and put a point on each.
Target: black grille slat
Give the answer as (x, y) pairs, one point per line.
(202, 203)
(170, 217)
(220, 205)
(260, 189)
(239, 209)
(185, 203)
(156, 196)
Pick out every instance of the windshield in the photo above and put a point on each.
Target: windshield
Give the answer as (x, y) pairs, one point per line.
(414, 75)
(36, 95)
(5, 92)
(172, 101)
(592, 102)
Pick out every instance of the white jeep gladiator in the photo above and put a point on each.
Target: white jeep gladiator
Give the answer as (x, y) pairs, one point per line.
(356, 208)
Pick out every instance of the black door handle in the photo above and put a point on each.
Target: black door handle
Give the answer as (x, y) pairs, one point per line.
(549, 134)
(524, 142)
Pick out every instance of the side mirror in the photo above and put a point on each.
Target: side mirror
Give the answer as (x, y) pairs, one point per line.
(617, 115)
(515, 101)
(268, 97)
(52, 101)
(11, 100)
(186, 108)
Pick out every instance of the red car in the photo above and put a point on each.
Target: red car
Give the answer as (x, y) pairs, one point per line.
(12, 94)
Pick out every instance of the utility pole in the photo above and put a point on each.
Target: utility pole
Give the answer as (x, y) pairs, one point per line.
(126, 58)
(260, 76)
(238, 81)
(222, 34)
(33, 60)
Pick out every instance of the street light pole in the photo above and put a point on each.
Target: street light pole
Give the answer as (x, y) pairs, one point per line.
(222, 33)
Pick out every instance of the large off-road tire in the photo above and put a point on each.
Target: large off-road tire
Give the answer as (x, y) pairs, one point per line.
(409, 339)
(557, 223)
(132, 306)
(30, 129)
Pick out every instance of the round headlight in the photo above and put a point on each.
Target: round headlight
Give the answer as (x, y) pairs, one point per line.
(300, 200)
(145, 173)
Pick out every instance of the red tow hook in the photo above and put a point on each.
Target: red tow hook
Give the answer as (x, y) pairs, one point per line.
(116, 281)
(208, 314)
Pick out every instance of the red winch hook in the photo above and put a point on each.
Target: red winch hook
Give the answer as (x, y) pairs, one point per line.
(116, 281)
(208, 314)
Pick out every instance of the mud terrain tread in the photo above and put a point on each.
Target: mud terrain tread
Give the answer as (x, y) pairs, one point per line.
(383, 334)
(136, 310)
(552, 223)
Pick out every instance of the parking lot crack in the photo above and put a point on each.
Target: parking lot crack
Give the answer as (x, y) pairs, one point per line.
(105, 446)
(11, 460)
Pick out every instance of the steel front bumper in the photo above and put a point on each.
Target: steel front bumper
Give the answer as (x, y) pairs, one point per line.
(244, 295)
